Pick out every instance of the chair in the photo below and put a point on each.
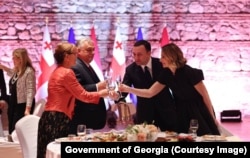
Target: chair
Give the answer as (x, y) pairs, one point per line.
(26, 130)
(14, 137)
(1, 127)
(39, 108)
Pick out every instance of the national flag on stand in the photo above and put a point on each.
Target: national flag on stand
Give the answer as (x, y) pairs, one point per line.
(118, 63)
(47, 66)
(71, 37)
(164, 40)
(139, 35)
(96, 63)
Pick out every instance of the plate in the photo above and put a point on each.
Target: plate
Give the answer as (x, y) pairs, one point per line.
(213, 138)
(171, 134)
(66, 139)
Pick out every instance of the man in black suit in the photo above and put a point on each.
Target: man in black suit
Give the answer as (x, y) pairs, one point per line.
(3, 97)
(92, 115)
(159, 109)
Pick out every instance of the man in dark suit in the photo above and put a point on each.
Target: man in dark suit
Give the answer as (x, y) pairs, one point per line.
(3, 97)
(159, 109)
(92, 115)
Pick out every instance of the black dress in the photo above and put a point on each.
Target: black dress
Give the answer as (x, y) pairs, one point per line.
(189, 102)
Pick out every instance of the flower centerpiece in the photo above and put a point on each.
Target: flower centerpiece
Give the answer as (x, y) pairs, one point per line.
(142, 132)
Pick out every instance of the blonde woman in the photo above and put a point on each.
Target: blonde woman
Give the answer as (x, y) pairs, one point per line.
(22, 86)
(63, 89)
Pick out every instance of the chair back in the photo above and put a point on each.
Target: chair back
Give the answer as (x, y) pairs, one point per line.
(39, 107)
(1, 127)
(26, 130)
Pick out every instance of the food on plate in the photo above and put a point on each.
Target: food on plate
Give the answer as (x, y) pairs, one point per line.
(171, 133)
(213, 138)
(185, 138)
(108, 137)
(162, 139)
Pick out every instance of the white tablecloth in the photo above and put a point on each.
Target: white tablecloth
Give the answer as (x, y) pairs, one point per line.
(54, 149)
(9, 149)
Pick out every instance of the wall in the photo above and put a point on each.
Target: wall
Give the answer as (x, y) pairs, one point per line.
(213, 34)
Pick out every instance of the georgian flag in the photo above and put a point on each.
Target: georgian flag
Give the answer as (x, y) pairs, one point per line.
(47, 66)
(118, 64)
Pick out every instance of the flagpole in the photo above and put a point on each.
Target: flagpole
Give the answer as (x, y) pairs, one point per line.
(46, 21)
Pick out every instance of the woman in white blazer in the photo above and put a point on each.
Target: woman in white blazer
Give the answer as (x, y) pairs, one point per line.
(22, 87)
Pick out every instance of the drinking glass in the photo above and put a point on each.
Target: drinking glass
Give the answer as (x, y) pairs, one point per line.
(111, 85)
(118, 82)
(81, 130)
(194, 125)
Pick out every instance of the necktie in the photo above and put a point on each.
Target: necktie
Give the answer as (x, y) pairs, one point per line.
(147, 76)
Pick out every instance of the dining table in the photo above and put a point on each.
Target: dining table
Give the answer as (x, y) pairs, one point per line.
(54, 148)
(10, 149)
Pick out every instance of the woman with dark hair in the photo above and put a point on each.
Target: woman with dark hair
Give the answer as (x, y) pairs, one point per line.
(63, 88)
(190, 94)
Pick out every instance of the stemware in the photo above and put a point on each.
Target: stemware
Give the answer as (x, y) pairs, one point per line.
(81, 130)
(118, 82)
(194, 125)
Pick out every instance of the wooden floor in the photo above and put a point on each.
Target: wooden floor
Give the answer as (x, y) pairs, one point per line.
(240, 129)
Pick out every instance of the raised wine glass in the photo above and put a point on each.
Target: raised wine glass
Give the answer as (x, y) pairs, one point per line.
(118, 82)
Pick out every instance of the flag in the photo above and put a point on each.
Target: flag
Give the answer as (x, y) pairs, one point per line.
(118, 64)
(71, 37)
(164, 38)
(47, 65)
(163, 41)
(139, 35)
(96, 63)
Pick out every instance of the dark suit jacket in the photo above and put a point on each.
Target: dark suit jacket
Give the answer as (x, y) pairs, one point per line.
(159, 108)
(2, 88)
(92, 115)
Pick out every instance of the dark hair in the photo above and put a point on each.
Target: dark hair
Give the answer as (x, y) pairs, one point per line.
(145, 43)
(61, 50)
(175, 54)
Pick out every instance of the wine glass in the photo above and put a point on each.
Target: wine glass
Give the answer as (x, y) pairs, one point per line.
(194, 125)
(119, 81)
(81, 130)
(111, 85)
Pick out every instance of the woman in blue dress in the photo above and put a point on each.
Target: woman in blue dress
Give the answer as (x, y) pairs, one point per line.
(191, 97)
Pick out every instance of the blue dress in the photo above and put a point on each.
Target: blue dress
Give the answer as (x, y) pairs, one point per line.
(189, 103)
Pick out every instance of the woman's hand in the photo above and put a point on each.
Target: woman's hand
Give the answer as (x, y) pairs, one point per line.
(27, 111)
(123, 88)
(103, 93)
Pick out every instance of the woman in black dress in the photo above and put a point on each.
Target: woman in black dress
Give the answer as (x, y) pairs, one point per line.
(190, 94)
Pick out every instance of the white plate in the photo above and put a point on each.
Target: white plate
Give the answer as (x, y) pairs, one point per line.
(213, 138)
(66, 139)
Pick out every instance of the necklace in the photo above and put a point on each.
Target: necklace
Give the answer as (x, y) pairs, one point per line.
(14, 79)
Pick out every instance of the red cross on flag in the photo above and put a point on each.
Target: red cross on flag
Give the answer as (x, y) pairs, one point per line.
(47, 65)
(118, 64)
